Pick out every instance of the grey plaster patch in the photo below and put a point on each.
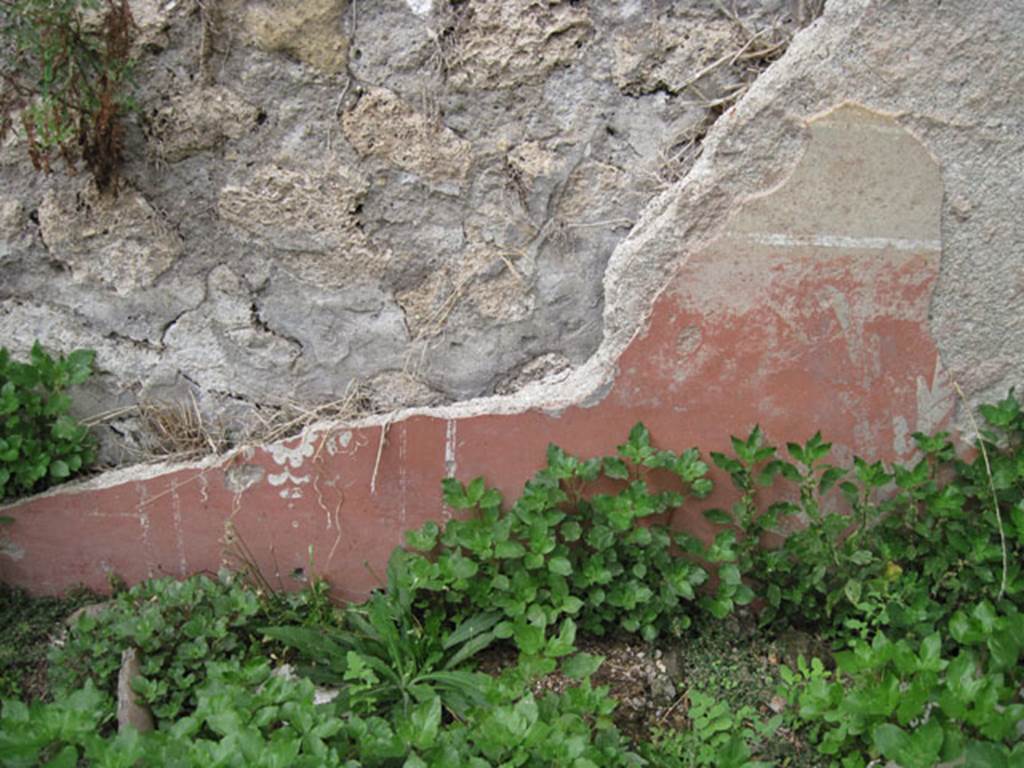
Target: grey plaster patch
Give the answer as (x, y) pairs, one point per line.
(309, 216)
(580, 171)
(382, 126)
(311, 30)
(199, 120)
(225, 346)
(121, 242)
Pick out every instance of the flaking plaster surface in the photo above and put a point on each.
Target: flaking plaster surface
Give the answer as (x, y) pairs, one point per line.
(475, 204)
(795, 328)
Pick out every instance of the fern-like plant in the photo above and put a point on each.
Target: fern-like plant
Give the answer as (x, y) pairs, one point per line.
(65, 67)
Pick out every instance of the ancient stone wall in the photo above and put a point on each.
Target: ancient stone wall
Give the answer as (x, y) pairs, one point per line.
(529, 249)
(420, 197)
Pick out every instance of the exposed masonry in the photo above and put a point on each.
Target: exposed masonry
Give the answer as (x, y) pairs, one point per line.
(524, 269)
(421, 197)
(794, 337)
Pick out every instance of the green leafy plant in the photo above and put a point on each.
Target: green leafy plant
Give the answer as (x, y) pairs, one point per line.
(244, 716)
(919, 704)
(716, 736)
(843, 571)
(602, 559)
(52, 734)
(177, 626)
(40, 444)
(66, 68)
(384, 658)
(247, 717)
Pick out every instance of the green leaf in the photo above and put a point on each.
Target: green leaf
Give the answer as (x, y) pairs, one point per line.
(462, 567)
(718, 607)
(862, 557)
(66, 758)
(891, 740)
(425, 722)
(471, 627)
(639, 436)
(616, 469)
(571, 530)
(729, 574)
(564, 643)
(475, 491)
(718, 516)
(984, 754)
(79, 364)
(454, 493)
(560, 565)
(508, 550)
(581, 665)
(425, 539)
(853, 590)
(529, 639)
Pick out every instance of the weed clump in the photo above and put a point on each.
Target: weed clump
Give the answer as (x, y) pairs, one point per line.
(40, 442)
(66, 69)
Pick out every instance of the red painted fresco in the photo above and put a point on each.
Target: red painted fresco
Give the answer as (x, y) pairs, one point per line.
(798, 331)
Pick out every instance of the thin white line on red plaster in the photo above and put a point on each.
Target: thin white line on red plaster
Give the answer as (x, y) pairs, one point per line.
(840, 241)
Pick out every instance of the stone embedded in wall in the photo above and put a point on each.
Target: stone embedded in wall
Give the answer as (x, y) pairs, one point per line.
(546, 368)
(588, 199)
(224, 345)
(507, 297)
(12, 233)
(485, 278)
(383, 126)
(152, 19)
(311, 216)
(669, 56)
(426, 305)
(500, 290)
(532, 159)
(310, 30)
(198, 120)
(514, 42)
(392, 390)
(120, 242)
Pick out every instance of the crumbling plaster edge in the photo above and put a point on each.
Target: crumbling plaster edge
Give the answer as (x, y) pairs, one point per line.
(628, 306)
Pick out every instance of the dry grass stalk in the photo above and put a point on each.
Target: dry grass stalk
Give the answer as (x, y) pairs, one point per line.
(179, 431)
(239, 558)
(284, 419)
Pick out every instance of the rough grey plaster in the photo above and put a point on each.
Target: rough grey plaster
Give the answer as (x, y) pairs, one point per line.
(523, 255)
(954, 76)
(418, 195)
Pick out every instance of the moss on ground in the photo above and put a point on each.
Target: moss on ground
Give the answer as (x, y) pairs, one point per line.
(27, 627)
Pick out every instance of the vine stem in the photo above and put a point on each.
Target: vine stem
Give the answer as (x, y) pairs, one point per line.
(992, 488)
